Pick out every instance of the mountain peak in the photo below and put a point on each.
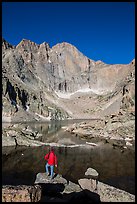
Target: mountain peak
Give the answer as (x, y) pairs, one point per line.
(26, 42)
(6, 45)
(63, 45)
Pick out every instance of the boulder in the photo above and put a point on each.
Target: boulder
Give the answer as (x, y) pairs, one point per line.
(21, 193)
(90, 182)
(44, 178)
(91, 173)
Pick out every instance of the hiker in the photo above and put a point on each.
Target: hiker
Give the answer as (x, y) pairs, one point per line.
(51, 162)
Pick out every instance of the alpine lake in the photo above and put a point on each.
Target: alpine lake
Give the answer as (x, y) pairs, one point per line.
(20, 164)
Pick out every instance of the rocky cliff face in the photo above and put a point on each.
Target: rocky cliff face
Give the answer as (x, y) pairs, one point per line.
(39, 82)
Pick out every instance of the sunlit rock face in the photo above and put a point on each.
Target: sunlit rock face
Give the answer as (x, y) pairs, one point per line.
(21, 193)
(37, 78)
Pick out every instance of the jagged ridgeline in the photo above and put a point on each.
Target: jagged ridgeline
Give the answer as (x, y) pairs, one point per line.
(43, 83)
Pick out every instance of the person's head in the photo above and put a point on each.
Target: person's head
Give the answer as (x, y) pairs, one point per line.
(52, 149)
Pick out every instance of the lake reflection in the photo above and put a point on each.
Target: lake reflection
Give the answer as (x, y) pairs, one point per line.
(46, 132)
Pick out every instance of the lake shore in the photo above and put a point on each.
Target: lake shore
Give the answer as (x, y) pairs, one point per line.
(118, 133)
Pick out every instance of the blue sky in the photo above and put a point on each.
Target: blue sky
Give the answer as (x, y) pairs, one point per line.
(100, 30)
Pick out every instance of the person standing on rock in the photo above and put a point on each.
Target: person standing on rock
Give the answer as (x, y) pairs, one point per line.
(51, 159)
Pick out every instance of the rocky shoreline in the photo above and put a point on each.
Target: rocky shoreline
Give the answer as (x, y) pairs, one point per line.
(61, 190)
(117, 130)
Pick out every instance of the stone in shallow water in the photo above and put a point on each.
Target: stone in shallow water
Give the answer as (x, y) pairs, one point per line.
(92, 173)
(44, 178)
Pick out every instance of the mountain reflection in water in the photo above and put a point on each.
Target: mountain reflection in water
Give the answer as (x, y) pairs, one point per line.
(117, 168)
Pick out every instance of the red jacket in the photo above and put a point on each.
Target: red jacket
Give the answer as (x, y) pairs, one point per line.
(51, 158)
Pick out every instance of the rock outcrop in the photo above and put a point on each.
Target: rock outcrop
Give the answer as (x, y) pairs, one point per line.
(61, 190)
(43, 83)
(91, 181)
(21, 193)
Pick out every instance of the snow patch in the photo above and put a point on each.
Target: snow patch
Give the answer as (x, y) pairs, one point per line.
(63, 95)
(27, 108)
(85, 90)
(41, 116)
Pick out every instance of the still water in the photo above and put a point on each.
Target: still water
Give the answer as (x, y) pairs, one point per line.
(21, 164)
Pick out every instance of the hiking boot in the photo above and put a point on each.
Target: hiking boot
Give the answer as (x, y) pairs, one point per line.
(52, 177)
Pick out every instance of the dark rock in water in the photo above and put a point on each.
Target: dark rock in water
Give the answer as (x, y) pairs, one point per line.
(82, 196)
